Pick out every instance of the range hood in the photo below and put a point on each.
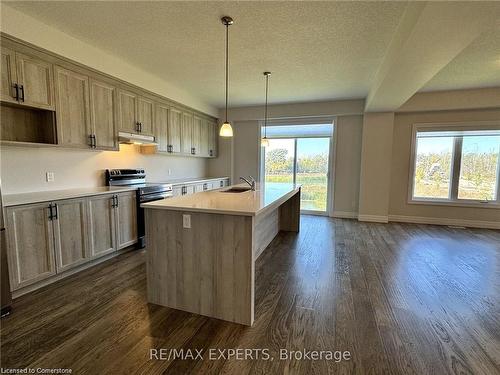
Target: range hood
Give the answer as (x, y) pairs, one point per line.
(137, 139)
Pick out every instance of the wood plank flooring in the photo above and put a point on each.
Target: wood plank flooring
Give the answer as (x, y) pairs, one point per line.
(401, 298)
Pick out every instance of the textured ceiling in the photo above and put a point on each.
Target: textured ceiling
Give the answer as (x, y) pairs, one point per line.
(315, 50)
(478, 65)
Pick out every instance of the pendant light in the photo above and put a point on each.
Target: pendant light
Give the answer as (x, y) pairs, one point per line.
(226, 129)
(265, 142)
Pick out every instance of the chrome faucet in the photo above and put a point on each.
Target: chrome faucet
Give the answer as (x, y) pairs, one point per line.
(251, 182)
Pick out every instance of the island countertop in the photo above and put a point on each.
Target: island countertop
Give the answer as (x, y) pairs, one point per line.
(249, 203)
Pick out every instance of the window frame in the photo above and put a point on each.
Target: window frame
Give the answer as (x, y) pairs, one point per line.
(453, 199)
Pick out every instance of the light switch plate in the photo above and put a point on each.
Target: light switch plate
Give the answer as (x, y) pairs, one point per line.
(169, 171)
(50, 176)
(186, 221)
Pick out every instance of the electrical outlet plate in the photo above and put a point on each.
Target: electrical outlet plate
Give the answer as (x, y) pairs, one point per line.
(186, 221)
(50, 176)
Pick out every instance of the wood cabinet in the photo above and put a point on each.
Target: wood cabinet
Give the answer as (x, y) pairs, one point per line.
(27, 80)
(103, 115)
(9, 76)
(70, 233)
(204, 138)
(187, 133)
(35, 78)
(73, 114)
(196, 135)
(126, 219)
(30, 251)
(191, 188)
(145, 115)
(102, 225)
(50, 238)
(162, 130)
(212, 138)
(174, 130)
(136, 113)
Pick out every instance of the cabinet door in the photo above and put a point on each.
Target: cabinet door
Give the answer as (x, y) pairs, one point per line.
(145, 114)
(161, 126)
(187, 133)
(70, 233)
(212, 139)
(103, 115)
(36, 77)
(196, 135)
(204, 138)
(9, 75)
(177, 191)
(101, 225)
(127, 119)
(72, 115)
(30, 250)
(174, 129)
(198, 188)
(126, 218)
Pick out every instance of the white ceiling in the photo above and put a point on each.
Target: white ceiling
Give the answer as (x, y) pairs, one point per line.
(315, 50)
(478, 65)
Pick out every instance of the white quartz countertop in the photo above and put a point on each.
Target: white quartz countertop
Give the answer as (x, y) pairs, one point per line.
(248, 203)
(53, 195)
(194, 180)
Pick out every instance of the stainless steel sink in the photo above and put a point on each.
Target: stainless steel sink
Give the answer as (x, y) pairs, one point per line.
(236, 189)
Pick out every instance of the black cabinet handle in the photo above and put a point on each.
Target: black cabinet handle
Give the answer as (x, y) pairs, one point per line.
(211, 153)
(55, 216)
(137, 126)
(184, 190)
(116, 200)
(221, 183)
(51, 215)
(113, 201)
(16, 87)
(193, 150)
(21, 87)
(205, 186)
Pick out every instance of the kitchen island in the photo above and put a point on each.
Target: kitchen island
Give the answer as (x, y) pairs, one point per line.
(201, 248)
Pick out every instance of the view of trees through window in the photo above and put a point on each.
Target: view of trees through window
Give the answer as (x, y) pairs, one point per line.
(478, 167)
(311, 168)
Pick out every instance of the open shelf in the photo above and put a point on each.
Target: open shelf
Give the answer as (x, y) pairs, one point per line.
(27, 125)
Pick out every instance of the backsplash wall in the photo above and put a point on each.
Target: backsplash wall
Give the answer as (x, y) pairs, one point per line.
(24, 169)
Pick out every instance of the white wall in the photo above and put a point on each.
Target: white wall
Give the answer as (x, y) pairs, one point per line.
(23, 169)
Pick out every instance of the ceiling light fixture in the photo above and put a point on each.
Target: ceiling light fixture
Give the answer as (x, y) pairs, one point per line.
(265, 142)
(226, 129)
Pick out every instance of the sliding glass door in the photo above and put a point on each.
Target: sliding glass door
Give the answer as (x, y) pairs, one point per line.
(304, 161)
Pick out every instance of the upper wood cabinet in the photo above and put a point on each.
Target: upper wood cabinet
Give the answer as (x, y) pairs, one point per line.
(196, 136)
(187, 133)
(30, 250)
(73, 111)
(103, 110)
(27, 80)
(9, 76)
(161, 130)
(136, 113)
(145, 115)
(212, 139)
(70, 233)
(204, 138)
(174, 130)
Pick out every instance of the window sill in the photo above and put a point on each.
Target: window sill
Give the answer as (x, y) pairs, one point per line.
(457, 203)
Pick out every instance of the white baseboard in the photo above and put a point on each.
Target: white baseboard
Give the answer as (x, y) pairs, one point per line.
(374, 218)
(345, 214)
(445, 221)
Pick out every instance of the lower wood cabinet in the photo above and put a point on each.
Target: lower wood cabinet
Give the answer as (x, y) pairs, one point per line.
(126, 219)
(45, 239)
(30, 244)
(197, 187)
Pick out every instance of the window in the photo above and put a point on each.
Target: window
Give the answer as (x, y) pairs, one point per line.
(455, 165)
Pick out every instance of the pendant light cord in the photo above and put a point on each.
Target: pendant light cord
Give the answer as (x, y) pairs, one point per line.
(265, 113)
(227, 62)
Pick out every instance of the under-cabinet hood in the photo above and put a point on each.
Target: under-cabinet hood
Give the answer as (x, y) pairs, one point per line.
(138, 139)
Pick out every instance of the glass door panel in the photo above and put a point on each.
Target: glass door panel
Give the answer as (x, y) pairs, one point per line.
(279, 160)
(312, 172)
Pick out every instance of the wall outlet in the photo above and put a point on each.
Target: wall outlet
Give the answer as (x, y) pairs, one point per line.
(169, 171)
(186, 221)
(50, 176)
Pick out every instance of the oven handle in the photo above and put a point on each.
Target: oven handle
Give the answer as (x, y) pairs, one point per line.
(154, 197)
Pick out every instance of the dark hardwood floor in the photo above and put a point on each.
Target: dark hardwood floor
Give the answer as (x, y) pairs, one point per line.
(401, 298)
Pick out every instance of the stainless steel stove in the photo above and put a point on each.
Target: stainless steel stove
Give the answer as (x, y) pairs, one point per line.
(146, 192)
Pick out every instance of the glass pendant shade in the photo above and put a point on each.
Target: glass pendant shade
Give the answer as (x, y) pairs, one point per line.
(264, 142)
(226, 130)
